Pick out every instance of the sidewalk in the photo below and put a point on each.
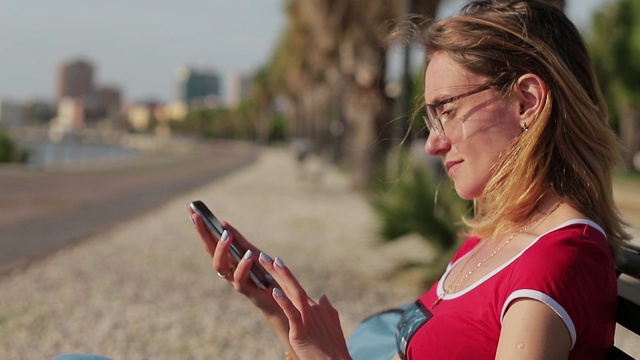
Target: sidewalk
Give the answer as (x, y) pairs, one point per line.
(145, 289)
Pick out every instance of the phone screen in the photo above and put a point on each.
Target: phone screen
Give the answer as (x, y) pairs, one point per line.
(259, 277)
(212, 222)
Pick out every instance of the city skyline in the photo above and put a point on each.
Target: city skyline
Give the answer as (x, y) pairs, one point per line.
(138, 48)
(133, 46)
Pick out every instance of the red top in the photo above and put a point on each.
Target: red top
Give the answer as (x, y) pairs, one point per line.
(570, 269)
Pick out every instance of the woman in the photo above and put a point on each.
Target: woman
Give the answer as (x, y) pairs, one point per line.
(515, 113)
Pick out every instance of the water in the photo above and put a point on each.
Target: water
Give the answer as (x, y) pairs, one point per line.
(48, 154)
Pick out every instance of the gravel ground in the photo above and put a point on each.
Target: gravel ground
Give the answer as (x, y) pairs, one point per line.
(145, 290)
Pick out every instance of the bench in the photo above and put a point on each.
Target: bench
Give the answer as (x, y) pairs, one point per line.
(628, 315)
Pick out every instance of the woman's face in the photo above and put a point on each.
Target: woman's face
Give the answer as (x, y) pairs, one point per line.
(479, 126)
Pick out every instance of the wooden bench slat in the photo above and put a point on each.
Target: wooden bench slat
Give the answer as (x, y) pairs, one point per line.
(628, 312)
(628, 261)
(617, 354)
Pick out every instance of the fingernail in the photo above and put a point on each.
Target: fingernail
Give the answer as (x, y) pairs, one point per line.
(277, 292)
(279, 262)
(266, 258)
(324, 301)
(247, 255)
(224, 236)
(192, 220)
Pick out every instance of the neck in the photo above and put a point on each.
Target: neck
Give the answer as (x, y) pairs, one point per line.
(549, 213)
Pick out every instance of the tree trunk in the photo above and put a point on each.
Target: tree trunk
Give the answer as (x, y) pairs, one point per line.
(340, 45)
(629, 130)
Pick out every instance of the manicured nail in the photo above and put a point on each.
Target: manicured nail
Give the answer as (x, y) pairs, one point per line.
(266, 258)
(277, 292)
(191, 218)
(279, 262)
(224, 236)
(247, 255)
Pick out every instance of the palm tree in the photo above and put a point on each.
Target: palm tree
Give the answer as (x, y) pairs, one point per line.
(614, 48)
(330, 64)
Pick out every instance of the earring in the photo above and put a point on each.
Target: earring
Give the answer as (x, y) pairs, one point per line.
(525, 127)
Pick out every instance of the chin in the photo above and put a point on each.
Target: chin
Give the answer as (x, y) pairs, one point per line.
(466, 193)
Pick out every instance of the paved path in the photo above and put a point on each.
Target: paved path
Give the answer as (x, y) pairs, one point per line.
(43, 210)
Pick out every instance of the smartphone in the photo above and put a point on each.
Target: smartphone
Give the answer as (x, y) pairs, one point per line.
(256, 273)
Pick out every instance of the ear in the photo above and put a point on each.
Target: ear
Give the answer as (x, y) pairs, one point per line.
(531, 95)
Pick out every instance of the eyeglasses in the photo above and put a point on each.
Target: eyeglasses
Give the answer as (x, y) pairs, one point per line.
(435, 122)
(412, 319)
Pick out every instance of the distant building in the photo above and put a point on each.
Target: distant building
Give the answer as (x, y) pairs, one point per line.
(11, 113)
(193, 86)
(38, 111)
(142, 116)
(80, 101)
(174, 111)
(105, 102)
(75, 79)
(238, 89)
(71, 115)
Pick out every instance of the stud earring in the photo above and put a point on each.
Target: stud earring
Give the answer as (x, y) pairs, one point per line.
(525, 127)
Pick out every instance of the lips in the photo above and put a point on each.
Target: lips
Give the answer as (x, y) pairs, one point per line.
(451, 166)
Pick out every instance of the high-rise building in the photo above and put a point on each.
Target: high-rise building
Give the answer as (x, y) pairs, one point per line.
(75, 79)
(109, 101)
(196, 85)
(238, 89)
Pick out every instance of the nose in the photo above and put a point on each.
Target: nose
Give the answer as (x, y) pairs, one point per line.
(435, 145)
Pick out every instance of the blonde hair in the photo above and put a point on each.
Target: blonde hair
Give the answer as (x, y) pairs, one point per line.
(570, 148)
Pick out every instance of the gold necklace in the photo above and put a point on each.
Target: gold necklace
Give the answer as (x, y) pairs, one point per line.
(458, 282)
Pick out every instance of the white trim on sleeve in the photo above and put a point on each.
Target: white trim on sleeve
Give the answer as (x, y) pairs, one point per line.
(547, 300)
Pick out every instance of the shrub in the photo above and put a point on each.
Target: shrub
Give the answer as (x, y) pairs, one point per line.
(9, 150)
(409, 199)
(277, 129)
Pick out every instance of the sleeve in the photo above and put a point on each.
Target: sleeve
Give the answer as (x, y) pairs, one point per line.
(572, 272)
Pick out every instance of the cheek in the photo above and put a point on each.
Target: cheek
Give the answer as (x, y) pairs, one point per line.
(484, 149)
(481, 148)
(491, 132)
(475, 172)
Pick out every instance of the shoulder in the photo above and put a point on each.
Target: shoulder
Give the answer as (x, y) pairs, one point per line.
(579, 244)
(566, 265)
(561, 269)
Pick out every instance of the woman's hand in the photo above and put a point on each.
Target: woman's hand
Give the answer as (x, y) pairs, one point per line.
(314, 328)
(307, 329)
(237, 273)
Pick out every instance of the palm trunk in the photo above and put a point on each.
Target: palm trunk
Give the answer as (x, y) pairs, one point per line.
(629, 135)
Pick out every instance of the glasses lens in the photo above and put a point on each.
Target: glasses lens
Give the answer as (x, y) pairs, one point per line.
(433, 122)
(414, 316)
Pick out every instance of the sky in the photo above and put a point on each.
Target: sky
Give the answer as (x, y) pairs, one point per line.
(138, 45)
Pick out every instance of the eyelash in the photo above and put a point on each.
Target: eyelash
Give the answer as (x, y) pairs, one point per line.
(446, 112)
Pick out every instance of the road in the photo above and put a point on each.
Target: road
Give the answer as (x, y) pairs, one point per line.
(44, 210)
